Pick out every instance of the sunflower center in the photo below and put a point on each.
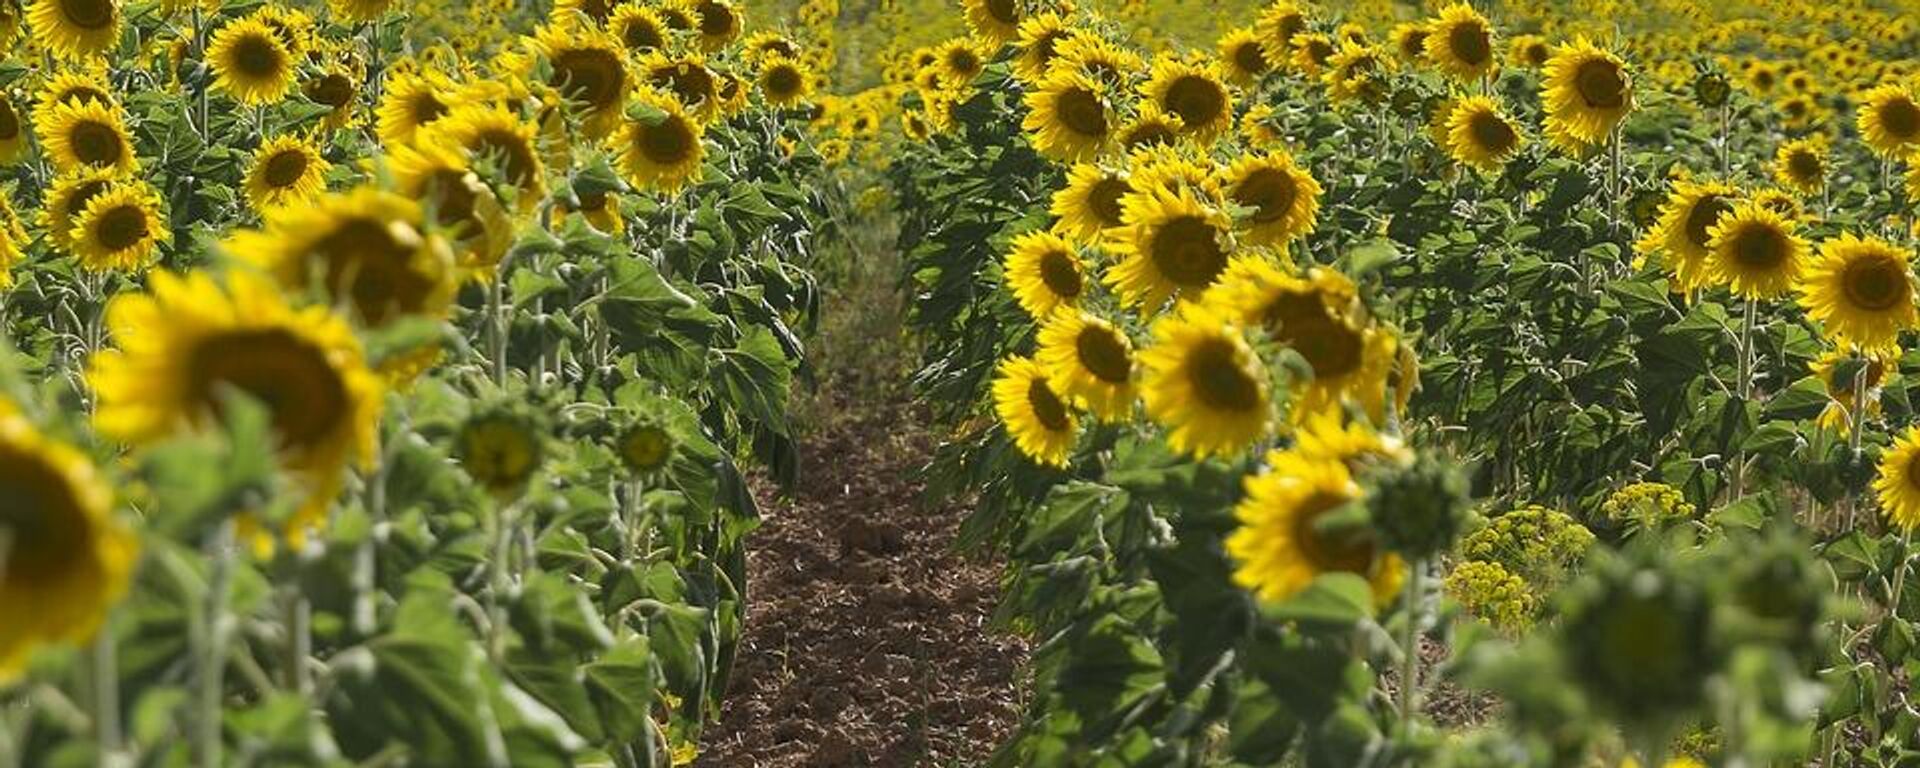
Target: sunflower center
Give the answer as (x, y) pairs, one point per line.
(1270, 192)
(96, 143)
(41, 521)
(426, 108)
(589, 75)
(647, 448)
(121, 228)
(1350, 551)
(1470, 43)
(367, 259)
(1913, 471)
(963, 61)
(287, 374)
(1003, 11)
(1759, 248)
(1082, 112)
(1804, 166)
(1047, 407)
(1706, 213)
(1060, 273)
(1103, 354)
(669, 143)
(9, 120)
(1901, 117)
(1250, 57)
(1333, 348)
(257, 56)
(285, 169)
(88, 14)
(1537, 54)
(1795, 108)
(332, 89)
(512, 148)
(1493, 134)
(1218, 379)
(1104, 199)
(716, 19)
(1875, 283)
(1197, 100)
(642, 35)
(1187, 250)
(693, 84)
(1600, 84)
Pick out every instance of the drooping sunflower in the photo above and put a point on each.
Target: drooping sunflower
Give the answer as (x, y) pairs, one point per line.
(1089, 205)
(588, 71)
(1889, 120)
(13, 131)
(250, 63)
(1284, 541)
(1243, 57)
(1038, 419)
(67, 561)
(1586, 92)
(492, 133)
(995, 21)
(639, 28)
(1861, 292)
(1284, 198)
(1045, 273)
(1898, 484)
(1090, 362)
(181, 346)
(359, 11)
(784, 82)
(1410, 43)
(1479, 134)
(1682, 235)
(661, 150)
(1460, 44)
(285, 170)
(1204, 383)
(86, 134)
(1279, 24)
(120, 228)
(364, 250)
(411, 101)
(1039, 44)
(1801, 164)
(67, 197)
(1194, 92)
(76, 29)
(1839, 372)
(1069, 117)
(1755, 251)
(718, 22)
(1177, 243)
(337, 88)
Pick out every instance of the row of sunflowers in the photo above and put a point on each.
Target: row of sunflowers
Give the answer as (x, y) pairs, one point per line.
(379, 374)
(1516, 383)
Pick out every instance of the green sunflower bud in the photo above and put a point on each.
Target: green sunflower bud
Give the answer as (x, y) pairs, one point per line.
(1420, 508)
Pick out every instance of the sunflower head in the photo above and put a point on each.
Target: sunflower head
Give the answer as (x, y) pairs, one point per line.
(663, 147)
(1041, 36)
(500, 448)
(1291, 532)
(1089, 205)
(1529, 52)
(588, 70)
(1282, 198)
(645, 448)
(1178, 243)
(1889, 120)
(1045, 273)
(492, 135)
(250, 62)
(995, 21)
(1040, 421)
(1801, 164)
(1460, 44)
(86, 134)
(1479, 134)
(784, 82)
(1091, 363)
(1756, 251)
(1586, 92)
(718, 23)
(1204, 383)
(119, 229)
(285, 170)
(1243, 57)
(1069, 117)
(1410, 42)
(76, 29)
(639, 28)
(1683, 233)
(364, 250)
(1861, 292)
(1898, 483)
(412, 100)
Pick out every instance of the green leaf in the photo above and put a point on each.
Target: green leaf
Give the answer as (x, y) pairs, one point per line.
(621, 684)
(1332, 601)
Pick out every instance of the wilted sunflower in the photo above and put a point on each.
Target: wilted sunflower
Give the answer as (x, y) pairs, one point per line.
(285, 170)
(1801, 164)
(358, 11)
(718, 22)
(1040, 422)
(411, 101)
(1286, 539)
(1069, 117)
(1284, 198)
(663, 148)
(1204, 383)
(1089, 205)
(1861, 292)
(1586, 92)
(784, 82)
(1045, 273)
(1889, 120)
(1529, 52)
(1755, 251)
(1039, 44)
(1839, 371)
(366, 250)
(589, 71)
(995, 21)
(1460, 44)
(76, 29)
(639, 28)
(86, 134)
(1682, 235)
(179, 347)
(492, 133)
(1090, 362)
(1242, 56)
(1176, 243)
(119, 229)
(250, 63)
(1480, 135)
(1410, 42)
(67, 560)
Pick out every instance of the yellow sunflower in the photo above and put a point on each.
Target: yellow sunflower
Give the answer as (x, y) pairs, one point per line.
(1312, 53)
(179, 347)
(87, 82)
(13, 238)
(1194, 92)
(285, 170)
(250, 63)
(1479, 134)
(1682, 235)
(1755, 251)
(1089, 205)
(1353, 75)
(1045, 273)
(688, 78)
(411, 101)
(337, 88)
(1243, 57)
(766, 44)
(1279, 24)
(1098, 58)
(1586, 92)
(76, 29)
(68, 196)
(1460, 44)
(466, 208)
(1040, 422)
(86, 134)
(1069, 117)
(1316, 316)
(1839, 381)
(995, 21)
(1039, 44)
(639, 28)
(1529, 52)
(784, 82)
(362, 250)
(1889, 120)
(718, 22)
(1861, 292)
(1204, 383)
(1151, 126)
(1284, 541)
(1898, 484)
(359, 11)
(13, 131)
(1284, 199)
(589, 70)
(1090, 362)
(1177, 243)
(1410, 42)
(494, 134)
(67, 561)
(663, 149)
(960, 61)
(1801, 164)
(119, 229)
(598, 10)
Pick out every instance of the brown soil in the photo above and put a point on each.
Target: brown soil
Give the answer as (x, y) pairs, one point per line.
(867, 640)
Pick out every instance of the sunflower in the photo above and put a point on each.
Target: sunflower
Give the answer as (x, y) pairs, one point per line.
(67, 562)
(600, 208)
(1069, 117)
(718, 22)
(1898, 484)
(1176, 243)
(1838, 371)
(1038, 419)
(640, 29)
(1204, 383)
(86, 134)
(688, 78)
(1089, 205)
(76, 29)
(336, 88)
(492, 133)
(1098, 58)
(87, 82)
(1090, 362)
(363, 250)
(1529, 52)
(661, 150)
(1889, 120)
(1289, 536)
(1258, 126)
(1039, 45)
(250, 63)
(1801, 164)
(766, 44)
(1312, 53)
(1682, 235)
(411, 101)
(600, 11)
(294, 27)
(1861, 292)
(784, 82)
(500, 449)
(995, 21)
(1755, 251)
(589, 70)
(1045, 273)
(1410, 42)
(1460, 44)
(1353, 74)
(960, 61)
(1151, 126)
(119, 229)
(1243, 57)
(1284, 199)
(1479, 134)
(1779, 201)
(645, 448)
(1279, 24)
(285, 170)
(359, 11)
(1586, 92)
(68, 196)
(13, 131)
(1316, 316)
(180, 347)
(13, 237)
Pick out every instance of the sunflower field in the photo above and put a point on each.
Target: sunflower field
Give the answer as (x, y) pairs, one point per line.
(1333, 383)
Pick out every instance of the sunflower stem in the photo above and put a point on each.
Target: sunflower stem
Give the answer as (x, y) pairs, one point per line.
(497, 325)
(210, 682)
(106, 695)
(1410, 646)
(1900, 574)
(1743, 385)
(297, 621)
(502, 578)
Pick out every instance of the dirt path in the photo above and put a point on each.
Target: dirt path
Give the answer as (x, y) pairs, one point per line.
(867, 639)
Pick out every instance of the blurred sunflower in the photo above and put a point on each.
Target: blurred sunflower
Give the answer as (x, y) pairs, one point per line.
(1898, 484)
(1242, 56)
(784, 82)
(1801, 164)
(1202, 381)
(501, 449)
(1479, 134)
(13, 131)
(718, 22)
(1045, 273)
(1410, 42)
(766, 44)
(85, 134)
(995, 21)
(1176, 243)
(1682, 235)
(639, 28)
(1289, 533)
(285, 170)
(1889, 120)
(1040, 422)
(598, 10)
(1089, 205)
(336, 88)
(1090, 362)
(662, 149)
(411, 101)
(359, 11)
(1069, 117)
(494, 134)
(76, 29)
(1838, 371)
(1586, 92)
(589, 71)
(119, 229)
(1460, 44)
(1039, 45)
(645, 448)
(1861, 292)
(13, 238)
(250, 63)
(1279, 24)
(1284, 198)
(362, 250)
(1529, 52)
